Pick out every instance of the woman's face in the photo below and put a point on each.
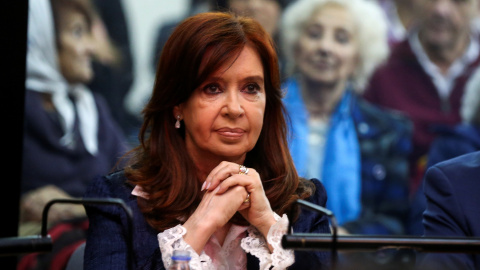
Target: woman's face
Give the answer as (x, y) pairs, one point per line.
(75, 47)
(224, 116)
(326, 51)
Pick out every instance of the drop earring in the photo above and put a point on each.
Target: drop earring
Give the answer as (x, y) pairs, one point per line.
(177, 124)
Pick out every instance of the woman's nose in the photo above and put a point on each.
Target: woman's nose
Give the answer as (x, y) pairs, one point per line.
(233, 107)
(325, 45)
(90, 46)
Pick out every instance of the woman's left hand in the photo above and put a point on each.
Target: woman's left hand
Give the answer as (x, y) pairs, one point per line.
(257, 211)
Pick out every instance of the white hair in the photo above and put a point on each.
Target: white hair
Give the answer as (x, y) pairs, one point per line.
(371, 33)
(470, 107)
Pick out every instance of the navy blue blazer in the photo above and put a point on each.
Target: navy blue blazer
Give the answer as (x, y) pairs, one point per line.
(106, 246)
(453, 208)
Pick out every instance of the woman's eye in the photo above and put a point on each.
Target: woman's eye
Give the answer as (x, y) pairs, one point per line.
(252, 88)
(314, 32)
(78, 32)
(342, 37)
(211, 89)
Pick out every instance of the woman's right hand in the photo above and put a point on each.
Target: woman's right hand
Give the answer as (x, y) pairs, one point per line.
(213, 212)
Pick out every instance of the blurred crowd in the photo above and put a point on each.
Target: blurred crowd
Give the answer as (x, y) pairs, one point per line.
(376, 92)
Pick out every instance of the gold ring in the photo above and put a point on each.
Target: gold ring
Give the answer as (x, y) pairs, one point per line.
(247, 200)
(243, 170)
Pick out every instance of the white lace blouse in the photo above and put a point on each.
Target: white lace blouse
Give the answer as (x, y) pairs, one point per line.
(239, 241)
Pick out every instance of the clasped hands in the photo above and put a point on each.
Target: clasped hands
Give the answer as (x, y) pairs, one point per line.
(227, 188)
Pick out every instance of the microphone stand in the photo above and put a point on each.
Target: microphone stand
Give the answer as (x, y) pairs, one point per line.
(11, 246)
(307, 241)
(317, 241)
(333, 221)
(102, 201)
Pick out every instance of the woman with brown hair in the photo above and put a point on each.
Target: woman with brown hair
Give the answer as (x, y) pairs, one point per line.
(213, 174)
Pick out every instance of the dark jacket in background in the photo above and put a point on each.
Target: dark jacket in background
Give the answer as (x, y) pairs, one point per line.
(450, 143)
(452, 191)
(46, 162)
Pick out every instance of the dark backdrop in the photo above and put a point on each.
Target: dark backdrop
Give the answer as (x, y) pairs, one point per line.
(12, 77)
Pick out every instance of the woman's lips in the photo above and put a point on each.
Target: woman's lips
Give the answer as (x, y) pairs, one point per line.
(322, 64)
(231, 132)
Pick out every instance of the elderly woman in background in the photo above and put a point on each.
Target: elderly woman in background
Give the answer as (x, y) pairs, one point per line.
(357, 150)
(69, 134)
(213, 174)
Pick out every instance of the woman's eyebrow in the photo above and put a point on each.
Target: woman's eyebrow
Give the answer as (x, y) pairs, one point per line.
(256, 78)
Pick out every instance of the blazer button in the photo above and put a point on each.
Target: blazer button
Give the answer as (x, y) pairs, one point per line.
(379, 172)
(363, 128)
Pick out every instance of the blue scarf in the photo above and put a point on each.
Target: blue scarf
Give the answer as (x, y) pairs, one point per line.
(341, 167)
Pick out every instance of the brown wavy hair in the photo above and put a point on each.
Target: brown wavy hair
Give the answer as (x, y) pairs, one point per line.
(161, 164)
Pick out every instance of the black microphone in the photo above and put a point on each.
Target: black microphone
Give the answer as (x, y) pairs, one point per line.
(333, 221)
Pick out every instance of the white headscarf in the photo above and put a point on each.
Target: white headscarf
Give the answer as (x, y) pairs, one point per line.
(43, 75)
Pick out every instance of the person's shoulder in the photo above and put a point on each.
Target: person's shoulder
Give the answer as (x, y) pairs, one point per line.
(460, 171)
(319, 197)
(113, 185)
(466, 163)
(116, 177)
(454, 184)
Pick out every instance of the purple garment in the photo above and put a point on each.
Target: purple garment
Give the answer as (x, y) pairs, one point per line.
(403, 85)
